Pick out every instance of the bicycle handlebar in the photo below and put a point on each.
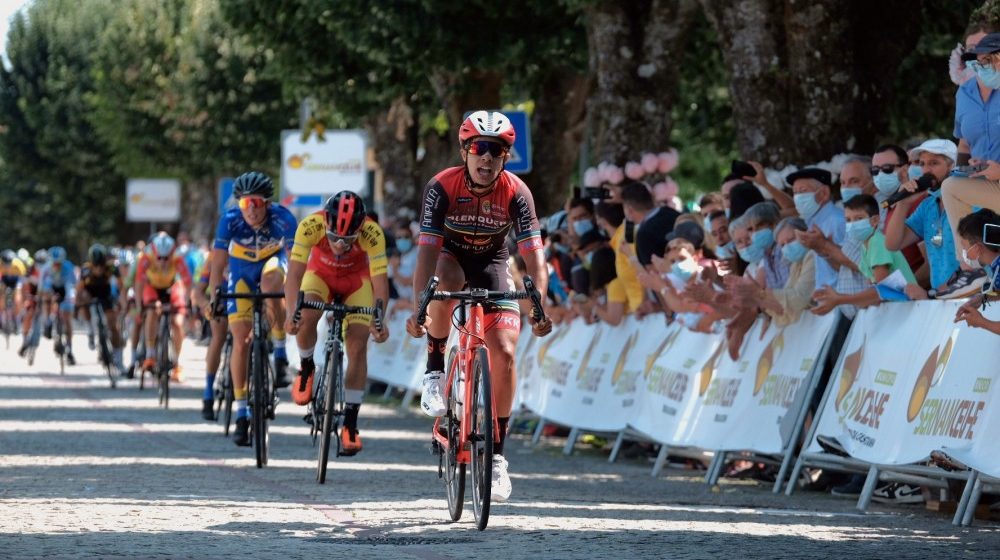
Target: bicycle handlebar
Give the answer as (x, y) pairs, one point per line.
(220, 296)
(339, 310)
(481, 295)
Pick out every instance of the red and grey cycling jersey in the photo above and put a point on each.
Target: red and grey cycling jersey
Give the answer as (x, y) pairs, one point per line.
(464, 224)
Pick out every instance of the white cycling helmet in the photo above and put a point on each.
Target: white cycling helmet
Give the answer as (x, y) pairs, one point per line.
(161, 245)
(486, 123)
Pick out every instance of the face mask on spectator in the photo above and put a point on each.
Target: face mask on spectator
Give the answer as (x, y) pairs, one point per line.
(887, 183)
(404, 244)
(724, 251)
(587, 259)
(707, 224)
(794, 251)
(751, 253)
(762, 238)
(582, 226)
(988, 75)
(562, 248)
(860, 230)
(847, 193)
(806, 205)
(915, 171)
(684, 269)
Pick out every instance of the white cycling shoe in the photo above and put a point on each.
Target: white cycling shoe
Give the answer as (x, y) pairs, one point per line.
(432, 398)
(500, 485)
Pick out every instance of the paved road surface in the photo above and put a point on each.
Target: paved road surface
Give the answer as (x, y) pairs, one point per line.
(90, 472)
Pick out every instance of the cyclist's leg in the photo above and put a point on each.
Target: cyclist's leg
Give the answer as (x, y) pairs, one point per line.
(452, 278)
(150, 296)
(240, 313)
(177, 302)
(64, 313)
(313, 288)
(273, 280)
(357, 358)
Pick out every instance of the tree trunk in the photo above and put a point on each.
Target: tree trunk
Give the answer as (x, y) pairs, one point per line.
(557, 128)
(809, 81)
(392, 136)
(199, 208)
(634, 52)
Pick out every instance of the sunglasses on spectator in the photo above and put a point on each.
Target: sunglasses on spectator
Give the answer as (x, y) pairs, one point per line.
(333, 238)
(481, 147)
(252, 202)
(886, 168)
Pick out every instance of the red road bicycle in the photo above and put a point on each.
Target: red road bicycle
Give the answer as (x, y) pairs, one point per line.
(465, 434)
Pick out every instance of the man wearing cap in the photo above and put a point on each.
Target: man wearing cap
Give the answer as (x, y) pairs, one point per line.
(928, 223)
(977, 111)
(826, 221)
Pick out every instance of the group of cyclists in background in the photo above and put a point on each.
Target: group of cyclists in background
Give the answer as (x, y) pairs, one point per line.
(471, 214)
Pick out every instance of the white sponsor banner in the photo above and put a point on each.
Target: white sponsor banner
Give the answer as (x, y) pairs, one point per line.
(746, 400)
(317, 167)
(400, 360)
(910, 381)
(153, 200)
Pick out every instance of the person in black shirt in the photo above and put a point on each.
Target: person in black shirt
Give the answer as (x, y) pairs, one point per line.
(652, 223)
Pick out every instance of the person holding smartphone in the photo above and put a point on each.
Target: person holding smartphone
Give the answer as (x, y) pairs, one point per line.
(979, 239)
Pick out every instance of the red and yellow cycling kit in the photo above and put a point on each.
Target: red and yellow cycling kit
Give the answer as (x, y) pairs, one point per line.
(11, 274)
(348, 275)
(158, 280)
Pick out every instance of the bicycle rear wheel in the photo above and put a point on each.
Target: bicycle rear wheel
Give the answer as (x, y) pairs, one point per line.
(258, 413)
(163, 359)
(104, 347)
(226, 397)
(482, 437)
(454, 473)
(330, 420)
(60, 343)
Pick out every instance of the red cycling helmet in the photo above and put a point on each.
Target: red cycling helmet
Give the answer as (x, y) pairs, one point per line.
(489, 124)
(345, 212)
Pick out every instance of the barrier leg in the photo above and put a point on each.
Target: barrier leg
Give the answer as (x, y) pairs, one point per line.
(661, 459)
(963, 503)
(865, 499)
(970, 509)
(407, 398)
(786, 462)
(388, 393)
(720, 465)
(537, 436)
(574, 433)
(617, 447)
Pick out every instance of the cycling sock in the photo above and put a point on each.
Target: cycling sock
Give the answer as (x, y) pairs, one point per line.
(240, 396)
(305, 353)
(209, 393)
(278, 337)
(351, 416)
(502, 425)
(353, 396)
(435, 352)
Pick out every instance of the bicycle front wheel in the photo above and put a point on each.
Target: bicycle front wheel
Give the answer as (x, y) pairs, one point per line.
(482, 437)
(226, 387)
(259, 394)
(163, 359)
(454, 472)
(330, 421)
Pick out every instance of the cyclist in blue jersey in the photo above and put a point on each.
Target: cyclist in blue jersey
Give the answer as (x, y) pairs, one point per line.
(254, 239)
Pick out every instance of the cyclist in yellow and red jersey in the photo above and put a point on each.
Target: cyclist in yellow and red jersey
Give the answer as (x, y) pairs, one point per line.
(466, 215)
(156, 284)
(12, 272)
(338, 252)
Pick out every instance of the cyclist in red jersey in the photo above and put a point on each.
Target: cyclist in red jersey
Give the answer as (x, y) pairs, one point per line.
(465, 217)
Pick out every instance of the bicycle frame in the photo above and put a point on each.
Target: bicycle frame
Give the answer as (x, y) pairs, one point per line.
(470, 339)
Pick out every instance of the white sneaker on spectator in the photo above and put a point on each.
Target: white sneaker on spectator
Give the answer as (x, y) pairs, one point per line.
(432, 398)
(898, 493)
(500, 486)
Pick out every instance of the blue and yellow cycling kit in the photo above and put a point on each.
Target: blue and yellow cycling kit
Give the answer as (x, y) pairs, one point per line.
(252, 252)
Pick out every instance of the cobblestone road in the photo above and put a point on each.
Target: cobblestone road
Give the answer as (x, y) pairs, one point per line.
(90, 472)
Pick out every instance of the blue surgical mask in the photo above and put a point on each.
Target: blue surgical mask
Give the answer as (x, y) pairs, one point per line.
(762, 238)
(582, 226)
(684, 269)
(887, 183)
(794, 251)
(915, 171)
(847, 193)
(806, 205)
(561, 247)
(707, 224)
(751, 253)
(988, 75)
(724, 251)
(404, 244)
(860, 230)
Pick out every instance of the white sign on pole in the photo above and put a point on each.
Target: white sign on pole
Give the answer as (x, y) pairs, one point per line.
(153, 200)
(316, 167)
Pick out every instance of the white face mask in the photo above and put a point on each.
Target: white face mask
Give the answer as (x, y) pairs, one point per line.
(967, 260)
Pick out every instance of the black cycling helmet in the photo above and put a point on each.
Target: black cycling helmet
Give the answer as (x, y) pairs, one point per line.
(97, 254)
(7, 256)
(345, 212)
(253, 183)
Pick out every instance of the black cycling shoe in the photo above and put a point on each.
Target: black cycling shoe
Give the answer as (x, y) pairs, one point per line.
(208, 409)
(47, 331)
(281, 379)
(22, 350)
(241, 436)
(69, 358)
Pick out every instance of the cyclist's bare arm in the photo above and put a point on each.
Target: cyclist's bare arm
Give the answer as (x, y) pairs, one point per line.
(293, 281)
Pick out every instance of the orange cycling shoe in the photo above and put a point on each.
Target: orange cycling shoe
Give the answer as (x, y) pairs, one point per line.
(349, 444)
(149, 364)
(177, 375)
(302, 388)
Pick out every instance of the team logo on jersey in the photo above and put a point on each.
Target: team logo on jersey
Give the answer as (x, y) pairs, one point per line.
(464, 199)
(487, 206)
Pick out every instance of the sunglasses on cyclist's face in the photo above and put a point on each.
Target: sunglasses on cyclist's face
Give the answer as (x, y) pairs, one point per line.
(346, 240)
(482, 147)
(252, 202)
(885, 168)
